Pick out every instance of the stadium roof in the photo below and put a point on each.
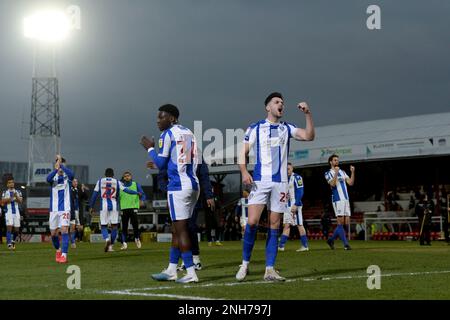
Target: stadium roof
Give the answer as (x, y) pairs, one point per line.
(406, 137)
(422, 135)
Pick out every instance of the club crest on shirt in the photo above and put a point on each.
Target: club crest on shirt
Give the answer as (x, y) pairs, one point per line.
(160, 143)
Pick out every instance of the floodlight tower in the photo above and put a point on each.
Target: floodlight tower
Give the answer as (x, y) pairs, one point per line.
(45, 28)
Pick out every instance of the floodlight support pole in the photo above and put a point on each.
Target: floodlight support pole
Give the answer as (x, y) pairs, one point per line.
(45, 137)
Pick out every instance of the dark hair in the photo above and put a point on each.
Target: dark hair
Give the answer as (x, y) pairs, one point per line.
(271, 96)
(123, 175)
(170, 109)
(7, 177)
(109, 172)
(289, 163)
(63, 160)
(332, 156)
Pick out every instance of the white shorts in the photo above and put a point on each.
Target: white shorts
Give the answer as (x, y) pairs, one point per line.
(59, 219)
(182, 203)
(272, 194)
(76, 221)
(12, 219)
(342, 208)
(293, 219)
(109, 217)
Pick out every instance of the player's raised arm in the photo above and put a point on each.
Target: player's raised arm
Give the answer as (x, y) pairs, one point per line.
(160, 159)
(350, 181)
(51, 175)
(18, 197)
(4, 200)
(67, 171)
(142, 196)
(125, 189)
(332, 179)
(308, 133)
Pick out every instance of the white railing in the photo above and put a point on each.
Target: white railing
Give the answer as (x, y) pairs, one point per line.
(380, 221)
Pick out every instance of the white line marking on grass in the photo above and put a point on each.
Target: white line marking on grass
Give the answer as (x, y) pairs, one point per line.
(319, 278)
(161, 295)
(382, 275)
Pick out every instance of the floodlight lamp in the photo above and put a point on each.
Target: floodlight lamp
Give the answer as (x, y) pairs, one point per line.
(47, 26)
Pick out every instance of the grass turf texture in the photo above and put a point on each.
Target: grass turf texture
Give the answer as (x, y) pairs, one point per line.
(31, 272)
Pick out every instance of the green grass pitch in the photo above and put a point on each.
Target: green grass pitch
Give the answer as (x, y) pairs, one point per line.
(408, 271)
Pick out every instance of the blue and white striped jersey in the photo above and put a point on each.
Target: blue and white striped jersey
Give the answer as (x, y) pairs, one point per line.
(109, 190)
(269, 143)
(295, 190)
(338, 192)
(242, 208)
(60, 190)
(178, 152)
(13, 206)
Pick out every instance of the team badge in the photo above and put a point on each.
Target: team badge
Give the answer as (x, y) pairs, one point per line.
(160, 143)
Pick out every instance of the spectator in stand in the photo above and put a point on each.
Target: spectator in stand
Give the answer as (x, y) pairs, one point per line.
(445, 213)
(236, 229)
(412, 203)
(424, 211)
(221, 227)
(167, 228)
(360, 230)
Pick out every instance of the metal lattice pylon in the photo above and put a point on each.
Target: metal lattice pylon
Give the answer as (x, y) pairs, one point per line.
(45, 139)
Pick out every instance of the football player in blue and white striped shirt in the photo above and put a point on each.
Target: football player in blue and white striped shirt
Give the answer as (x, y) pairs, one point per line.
(178, 153)
(109, 189)
(60, 181)
(269, 141)
(338, 180)
(242, 211)
(293, 215)
(12, 198)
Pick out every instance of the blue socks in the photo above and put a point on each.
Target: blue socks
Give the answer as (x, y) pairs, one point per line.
(113, 235)
(187, 259)
(249, 242)
(124, 238)
(335, 233)
(339, 231)
(271, 247)
(283, 240)
(342, 234)
(65, 242)
(72, 237)
(304, 241)
(105, 232)
(174, 255)
(55, 241)
(8, 237)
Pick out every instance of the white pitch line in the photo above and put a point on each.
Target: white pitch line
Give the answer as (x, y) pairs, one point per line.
(322, 278)
(161, 295)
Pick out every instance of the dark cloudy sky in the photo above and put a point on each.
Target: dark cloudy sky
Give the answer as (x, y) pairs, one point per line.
(217, 60)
